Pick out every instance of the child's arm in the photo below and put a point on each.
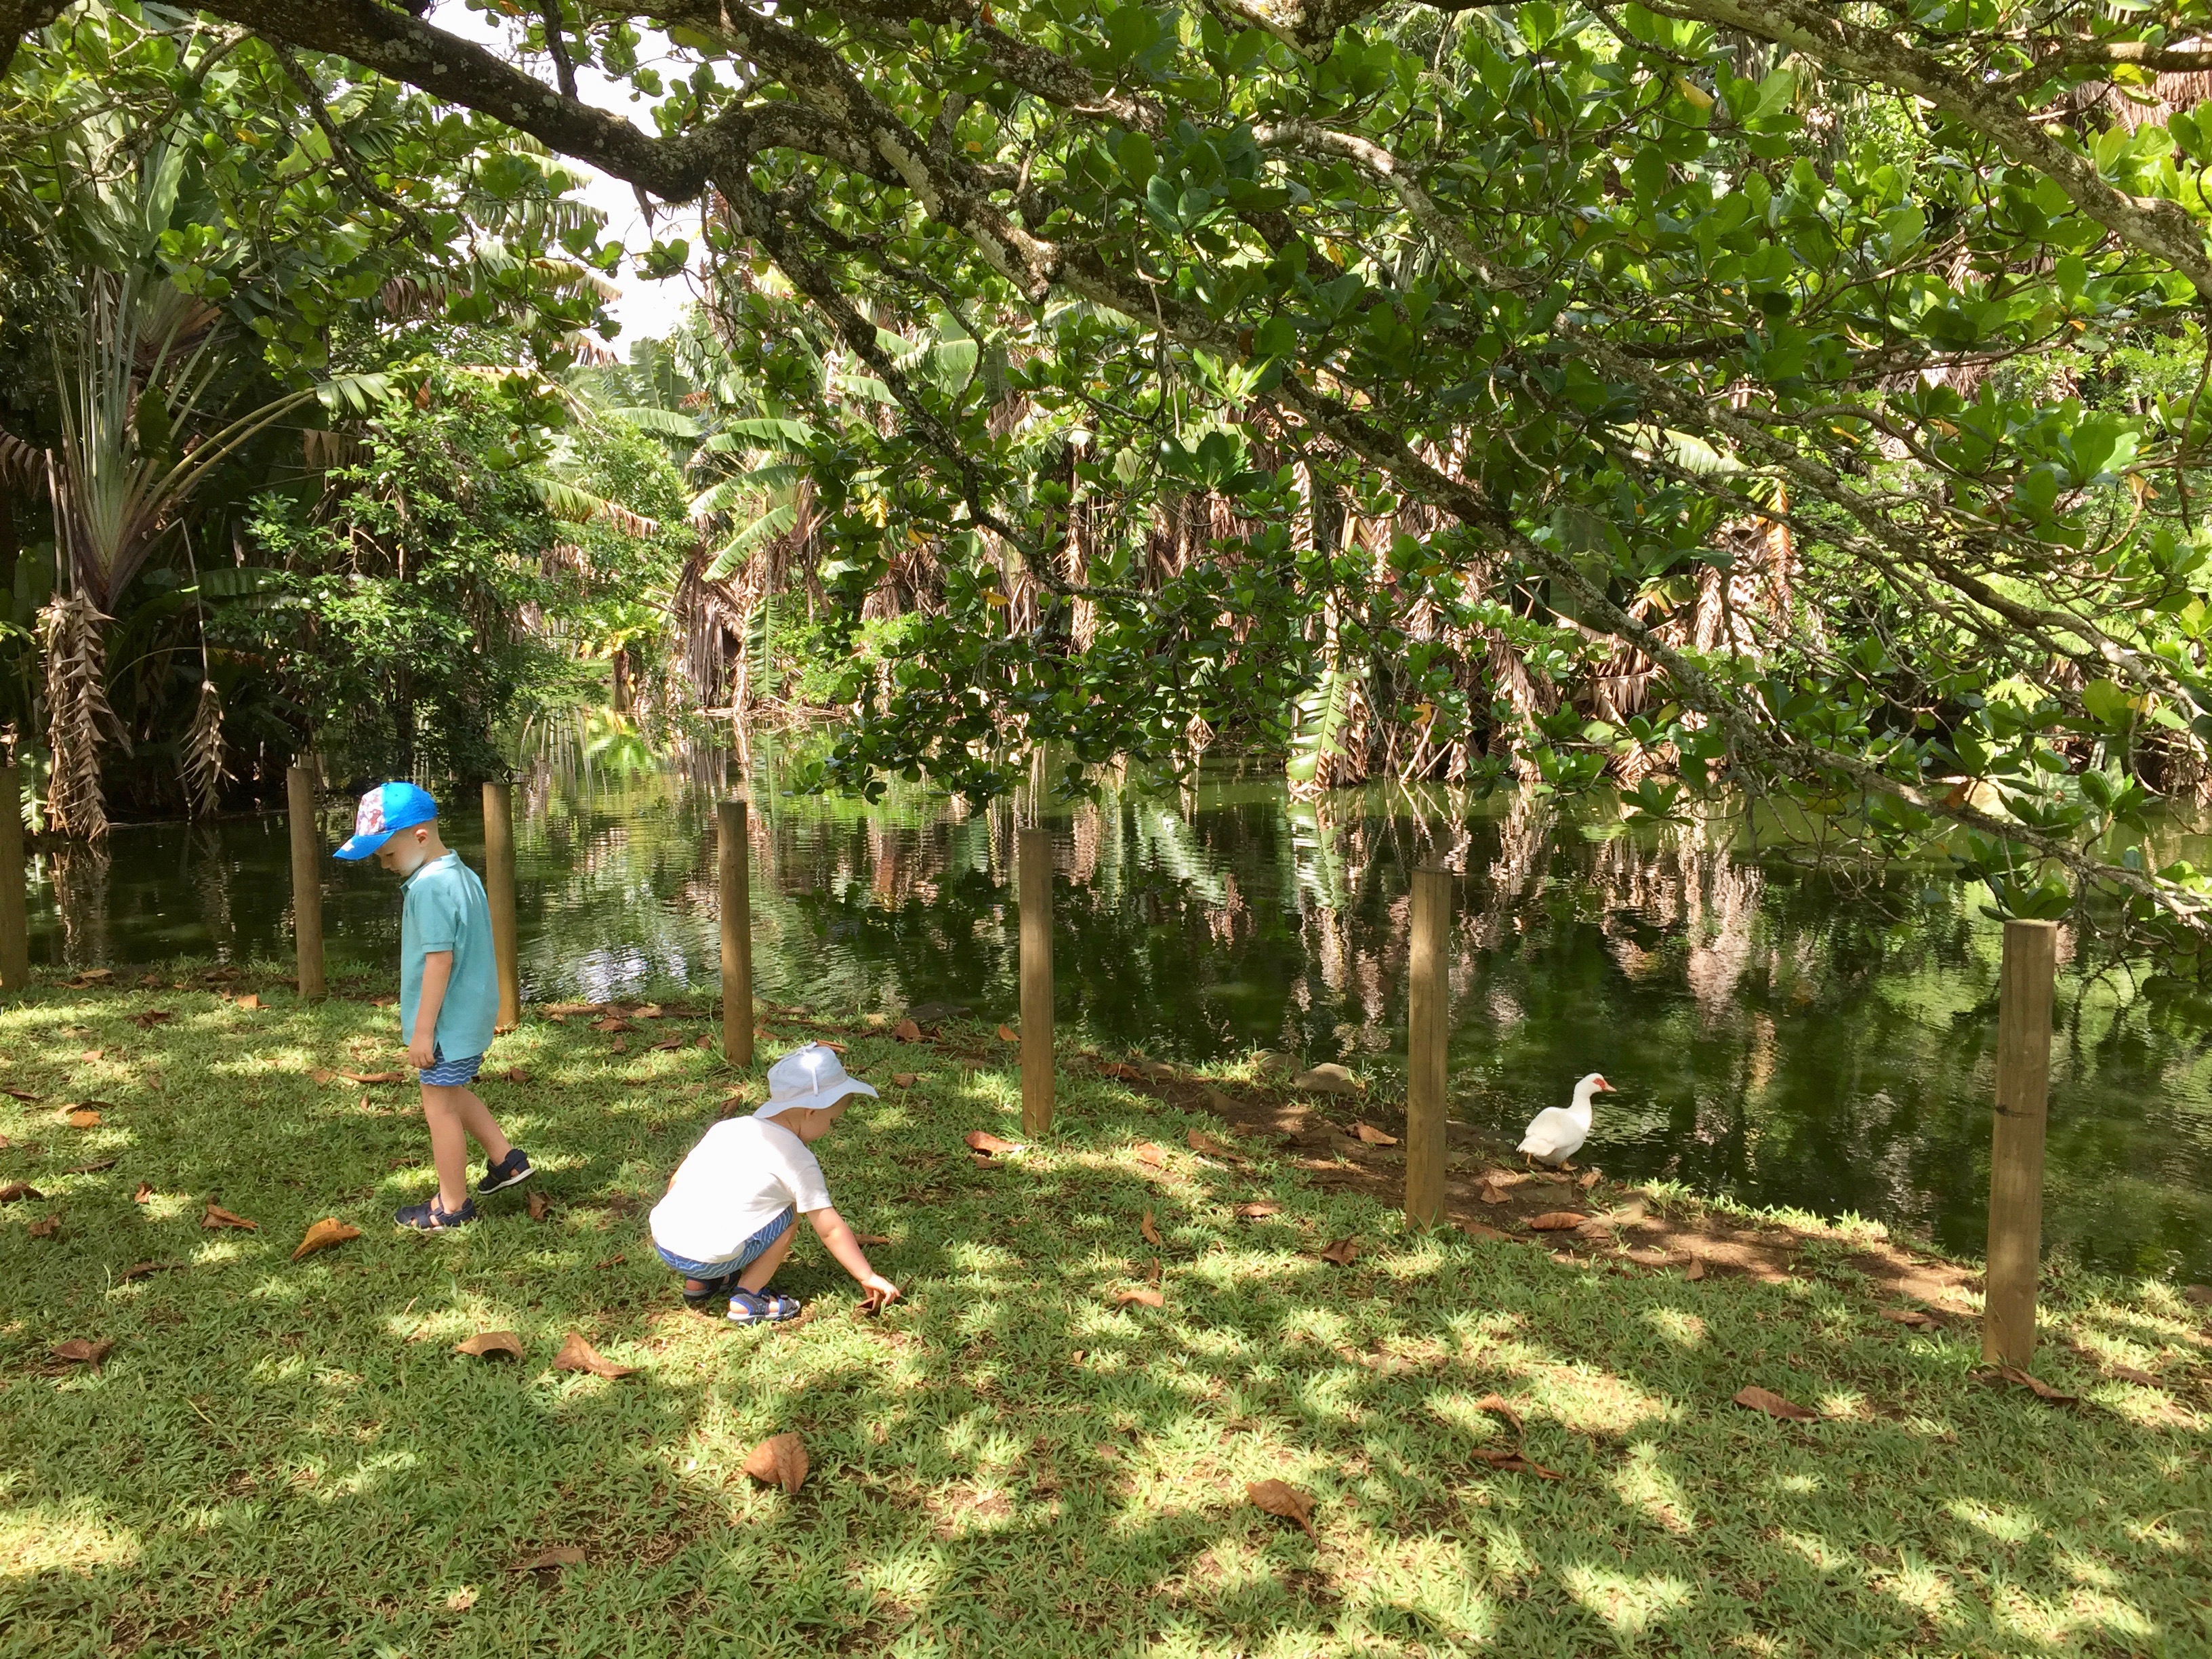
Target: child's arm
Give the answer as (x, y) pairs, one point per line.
(837, 1238)
(422, 1043)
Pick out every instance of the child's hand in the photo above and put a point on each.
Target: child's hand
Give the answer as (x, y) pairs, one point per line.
(879, 1293)
(422, 1052)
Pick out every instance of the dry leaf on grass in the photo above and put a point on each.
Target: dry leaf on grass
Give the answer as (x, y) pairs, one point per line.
(23, 1095)
(620, 1045)
(702, 1041)
(1256, 1209)
(779, 1461)
(1918, 1318)
(151, 1018)
(83, 1351)
(145, 1194)
(560, 1555)
(1280, 1497)
(563, 1010)
(461, 1599)
(1556, 1221)
(2130, 1374)
(870, 1239)
(648, 1010)
(1008, 1034)
(491, 1344)
(2037, 1386)
(1515, 1462)
(91, 1054)
(84, 1119)
(1205, 1144)
(611, 1023)
(578, 1355)
(249, 1000)
(1344, 1252)
(665, 1044)
(47, 1227)
(18, 1189)
(1477, 1230)
(322, 1074)
(1148, 1154)
(1151, 1233)
(906, 1031)
(1498, 1406)
(148, 1269)
(215, 1216)
(515, 1074)
(539, 1206)
(982, 1140)
(324, 1233)
(901, 1079)
(1695, 1271)
(374, 1077)
(1373, 1136)
(1490, 1195)
(1764, 1400)
(1590, 1178)
(1144, 1296)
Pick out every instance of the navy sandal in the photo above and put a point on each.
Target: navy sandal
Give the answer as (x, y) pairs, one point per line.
(435, 1218)
(761, 1308)
(710, 1289)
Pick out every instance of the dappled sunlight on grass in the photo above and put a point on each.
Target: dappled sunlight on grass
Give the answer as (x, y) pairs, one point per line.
(1004, 1462)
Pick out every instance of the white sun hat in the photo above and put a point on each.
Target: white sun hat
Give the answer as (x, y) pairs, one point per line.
(809, 1077)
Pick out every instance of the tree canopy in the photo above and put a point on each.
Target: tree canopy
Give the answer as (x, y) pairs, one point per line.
(1751, 393)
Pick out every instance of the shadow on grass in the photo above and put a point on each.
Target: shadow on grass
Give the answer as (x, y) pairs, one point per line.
(281, 1457)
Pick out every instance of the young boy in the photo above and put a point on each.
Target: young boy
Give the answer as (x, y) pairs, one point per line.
(726, 1223)
(449, 995)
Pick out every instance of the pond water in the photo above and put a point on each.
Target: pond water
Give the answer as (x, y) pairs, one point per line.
(1780, 1034)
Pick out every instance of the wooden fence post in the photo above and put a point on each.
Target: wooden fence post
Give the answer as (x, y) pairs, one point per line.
(499, 894)
(1035, 880)
(15, 909)
(1428, 1032)
(2016, 1244)
(307, 880)
(733, 821)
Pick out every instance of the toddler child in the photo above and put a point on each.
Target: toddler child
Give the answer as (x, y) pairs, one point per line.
(727, 1221)
(449, 995)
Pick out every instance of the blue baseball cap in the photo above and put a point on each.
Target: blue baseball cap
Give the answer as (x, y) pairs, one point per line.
(384, 810)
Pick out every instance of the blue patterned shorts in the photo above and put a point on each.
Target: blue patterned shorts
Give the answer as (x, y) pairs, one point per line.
(748, 1253)
(443, 1073)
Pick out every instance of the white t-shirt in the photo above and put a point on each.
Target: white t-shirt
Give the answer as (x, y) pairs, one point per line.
(743, 1173)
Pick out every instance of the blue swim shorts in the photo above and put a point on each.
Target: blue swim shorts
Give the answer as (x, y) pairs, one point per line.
(748, 1253)
(443, 1073)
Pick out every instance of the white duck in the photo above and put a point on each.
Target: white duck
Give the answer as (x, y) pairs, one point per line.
(1556, 1133)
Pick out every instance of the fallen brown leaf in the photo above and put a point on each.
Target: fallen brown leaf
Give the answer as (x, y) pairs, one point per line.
(611, 1023)
(1151, 1233)
(1694, 1272)
(1144, 1295)
(23, 1095)
(1764, 1400)
(2141, 1379)
(1477, 1230)
(1590, 1179)
(539, 1205)
(151, 1018)
(215, 1216)
(374, 1077)
(1149, 1154)
(620, 1045)
(1556, 1221)
(779, 1461)
(2037, 1386)
(564, 1009)
(18, 1189)
(1515, 1462)
(83, 1350)
(323, 1234)
(982, 1140)
(1344, 1252)
(1008, 1034)
(461, 1599)
(648, 1010)
(906, 1031)
(322, 1074)
(1256, 1209)
(148, 1269)
(560, 1555)
(870, 1239)
(1490, 1195)
(515, 1074)
(249, 1000)
(1918, 1318)
(491, 1344)
(1282, 1498)
(83, 1119)
(91, 1054)
(702, 1041)
(1153, 1272)
(1205, 1144)
(901, 1079)
(1373, 1136)
(49, 1227)
(578, 1355)
(144, 1194)
(1498, 1406)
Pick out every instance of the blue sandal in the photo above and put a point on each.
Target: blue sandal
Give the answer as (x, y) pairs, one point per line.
(761, 1308)
(710, 1289)
(435, 1218)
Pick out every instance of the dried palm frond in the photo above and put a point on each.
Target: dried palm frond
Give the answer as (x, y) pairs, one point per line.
(77, 712)
(205, 773)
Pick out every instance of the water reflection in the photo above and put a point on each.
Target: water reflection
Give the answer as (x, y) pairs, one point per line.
(1811, 1037)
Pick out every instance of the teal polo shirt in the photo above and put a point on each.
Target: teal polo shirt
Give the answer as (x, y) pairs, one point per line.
(443, 907)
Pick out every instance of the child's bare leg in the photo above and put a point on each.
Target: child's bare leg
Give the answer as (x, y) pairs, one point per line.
(449, 1142)
(477, 1119)
(765, 1264)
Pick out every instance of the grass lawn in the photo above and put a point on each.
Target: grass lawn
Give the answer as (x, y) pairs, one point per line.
(281, 1457)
